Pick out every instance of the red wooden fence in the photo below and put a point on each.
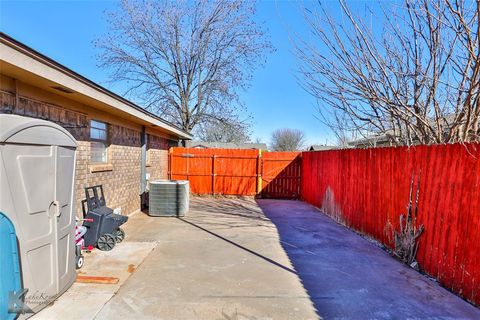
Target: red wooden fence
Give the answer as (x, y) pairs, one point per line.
(238, 172)
(368, 190)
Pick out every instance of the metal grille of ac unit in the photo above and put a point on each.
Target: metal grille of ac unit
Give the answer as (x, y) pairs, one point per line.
(169, 198)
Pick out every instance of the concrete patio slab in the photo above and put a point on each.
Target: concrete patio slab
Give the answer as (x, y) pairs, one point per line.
(241, 259)
(222, 261)
(348, 277)
(84, 300)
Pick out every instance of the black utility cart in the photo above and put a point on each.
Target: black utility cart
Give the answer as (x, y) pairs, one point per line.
(103, 225)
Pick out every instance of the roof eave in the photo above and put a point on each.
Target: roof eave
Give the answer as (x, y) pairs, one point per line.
(32, 61)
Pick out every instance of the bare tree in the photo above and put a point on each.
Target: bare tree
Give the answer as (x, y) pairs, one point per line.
(215, 131)
(287, 140)
(185, 60)
(414, 80)
(257, 140)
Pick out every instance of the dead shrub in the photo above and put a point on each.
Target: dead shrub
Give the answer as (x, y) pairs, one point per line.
(406, 240)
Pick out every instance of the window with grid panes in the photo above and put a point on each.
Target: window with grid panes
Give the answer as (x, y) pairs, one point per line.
(98, 142)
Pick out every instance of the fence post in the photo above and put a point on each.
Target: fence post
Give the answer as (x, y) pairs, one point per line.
(300, 180)
(170, 163)
(259, 173)
(213, 175)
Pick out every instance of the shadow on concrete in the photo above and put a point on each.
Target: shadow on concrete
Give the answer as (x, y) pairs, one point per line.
(228, 213)
(348, 277)
(218, 216)
(239, 246)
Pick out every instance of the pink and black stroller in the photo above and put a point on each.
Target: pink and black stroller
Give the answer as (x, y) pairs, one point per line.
(80, 231)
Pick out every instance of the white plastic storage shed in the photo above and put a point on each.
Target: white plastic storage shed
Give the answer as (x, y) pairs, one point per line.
(37, 165)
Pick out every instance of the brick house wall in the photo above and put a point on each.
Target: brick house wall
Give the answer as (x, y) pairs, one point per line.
(157, 152)
(121, 175)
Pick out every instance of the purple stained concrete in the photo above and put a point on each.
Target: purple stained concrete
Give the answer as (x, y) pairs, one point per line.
(348, 277)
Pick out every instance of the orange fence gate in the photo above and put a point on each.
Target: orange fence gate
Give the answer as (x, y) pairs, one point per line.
(238, 172)
(281, 175)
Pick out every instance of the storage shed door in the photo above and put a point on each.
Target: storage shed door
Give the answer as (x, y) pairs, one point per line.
(43, 177)
(31, 174)
(65, 220)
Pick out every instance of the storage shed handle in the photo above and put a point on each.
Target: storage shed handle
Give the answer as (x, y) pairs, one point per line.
(56, 207)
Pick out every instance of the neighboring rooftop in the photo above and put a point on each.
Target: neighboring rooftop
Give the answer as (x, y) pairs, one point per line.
(25, 64)
(319, 147)
(226, 145)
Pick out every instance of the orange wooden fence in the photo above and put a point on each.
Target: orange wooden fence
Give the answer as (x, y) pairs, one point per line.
(368, 190)
(216, 171)
(237, 172)
(281, 174)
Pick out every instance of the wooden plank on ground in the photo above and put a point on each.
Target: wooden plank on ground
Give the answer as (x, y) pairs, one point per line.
(97, 279)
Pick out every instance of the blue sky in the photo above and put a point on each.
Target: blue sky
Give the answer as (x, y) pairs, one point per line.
(64, 31)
